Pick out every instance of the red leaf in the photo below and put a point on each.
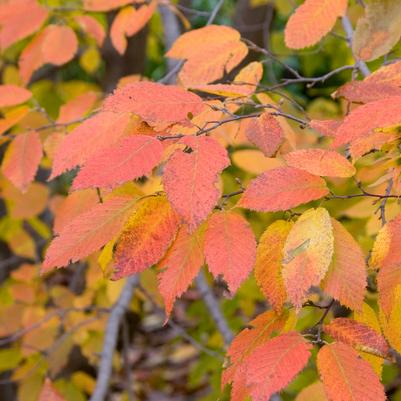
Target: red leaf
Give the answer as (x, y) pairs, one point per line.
(181, 263)
(320, 162)
(272, 366)
(346, 376)
(230, 248)
(88, 232)
(325, 127)
(358, 335)
(347, 277)
(146, 236)
(312, 21)
(19, 19)
(361, 121)
(22, 158)
(11, 95)
(155, 103)
(131, 158)
(128, 22)
(282, 189)
(265, 132)
(102, 130)
(190, 178)
(49, 393)
(77, 107)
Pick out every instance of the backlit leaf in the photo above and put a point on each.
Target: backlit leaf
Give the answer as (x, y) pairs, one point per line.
(269, 262)
(88, 232)
(313, 392)
(146, 236)
(392, 324)
(131, 158)
(387, 74)
(358, 335)
(92, 27)
(282, 189)
(21, 159)
(346, 278)
(325, 127)
(11, 95)
(272, 366)
(100, 131)
(181, 263)
(230, 248)
(265, 132)
(312, 21)
(190, 178)
(307, 253)
(346, 376)
(155, 103)
(379, 30)
(320, 162)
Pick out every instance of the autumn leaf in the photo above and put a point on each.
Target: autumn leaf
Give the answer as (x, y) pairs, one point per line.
(361, 121)
(312, 21)
(378, 31)
(346, 278)
(320, 162)
(269, 263)
(88, 232)
(155, 103)
(77, 108)
(100, 131)
(92, 27)
(180, 266)
(358, 335)
(325, 127)
(225, 253)
(190, 178)
(49, 393)
(392, 324)
(146, 236)
(11, 95)
(282, 189)
(104, 5)
(21, 159)
(313, 392)
(128, 22)
(265, 132)
(387, 74)
(346, 376)
(131, 158)
(307, 253)
(19, 19)
(272, 366)
(209, 52)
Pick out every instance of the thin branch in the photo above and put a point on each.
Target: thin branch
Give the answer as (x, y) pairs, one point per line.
(383, 203)
(214, 308)
(110, 339)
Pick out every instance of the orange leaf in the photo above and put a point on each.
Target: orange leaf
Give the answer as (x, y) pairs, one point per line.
(313, 392)
(154, 102)
(265, 132)
(269, 263)
(361, 121)
(131, 158)
(181, 263)
(307, 253)
(77, 107)
(22, 158)
(210, 52)
(346, 376)
(312, 21)
(320, 162)
(11, 95)
(272, 366)
(88, 232)
(105, 5)
(93, 27)
(190, 178)
(230, 248)
(365, 91)
(282, 189)
(146, 236)
(387, 74)
(19, 19)
(49, 393)
(346, 278)
(100, 131)
(358, 335)
(56, 45)
(325, 127)
(128, 22)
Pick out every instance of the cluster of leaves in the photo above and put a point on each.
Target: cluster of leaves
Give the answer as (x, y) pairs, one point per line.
(168, 178)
